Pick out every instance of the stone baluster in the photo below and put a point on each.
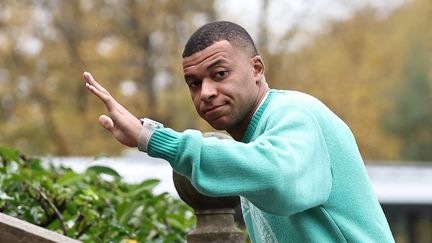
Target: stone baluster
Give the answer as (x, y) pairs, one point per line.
(215, 215)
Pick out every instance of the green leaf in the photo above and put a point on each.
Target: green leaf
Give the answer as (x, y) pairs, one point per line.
(9, 154)
(99, 169)
(175, 220)
(72, 208)
(129, 211)
(92, 194)
(70, 177)
(144, 186)
(36, 164)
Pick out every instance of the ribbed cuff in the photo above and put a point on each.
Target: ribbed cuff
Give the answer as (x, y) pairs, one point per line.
(164, 144)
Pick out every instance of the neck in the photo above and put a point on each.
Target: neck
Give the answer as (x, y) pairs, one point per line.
(238, 131)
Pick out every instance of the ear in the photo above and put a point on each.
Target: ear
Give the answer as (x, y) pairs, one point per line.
(259, 68)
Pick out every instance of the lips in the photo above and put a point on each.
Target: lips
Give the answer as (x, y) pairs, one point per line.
(212, 110)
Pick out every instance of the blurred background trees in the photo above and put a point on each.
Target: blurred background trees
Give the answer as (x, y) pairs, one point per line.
(132, 47)
(372, 68)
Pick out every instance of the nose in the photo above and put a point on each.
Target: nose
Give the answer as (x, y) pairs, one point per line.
(208, 90)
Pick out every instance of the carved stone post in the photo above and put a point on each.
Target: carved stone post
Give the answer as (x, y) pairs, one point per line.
(215, 216)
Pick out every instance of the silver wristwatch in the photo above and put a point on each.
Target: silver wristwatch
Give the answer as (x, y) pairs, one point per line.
(149, 126)
(150, 122)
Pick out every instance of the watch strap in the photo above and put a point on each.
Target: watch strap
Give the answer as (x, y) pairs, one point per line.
(149, 126)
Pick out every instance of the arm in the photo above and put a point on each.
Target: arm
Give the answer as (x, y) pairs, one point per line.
(124, 126)
(284, 171)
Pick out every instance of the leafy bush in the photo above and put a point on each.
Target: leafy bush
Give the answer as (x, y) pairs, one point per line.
(93, 206)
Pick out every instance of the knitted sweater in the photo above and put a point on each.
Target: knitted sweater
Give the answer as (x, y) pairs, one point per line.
(297, 169)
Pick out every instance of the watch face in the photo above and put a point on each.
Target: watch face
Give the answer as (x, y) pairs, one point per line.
(151, 123)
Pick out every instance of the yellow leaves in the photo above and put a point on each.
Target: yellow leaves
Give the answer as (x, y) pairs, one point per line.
(356, 68)
(129, 241)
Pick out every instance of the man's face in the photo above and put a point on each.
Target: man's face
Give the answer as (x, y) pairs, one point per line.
(222, 82)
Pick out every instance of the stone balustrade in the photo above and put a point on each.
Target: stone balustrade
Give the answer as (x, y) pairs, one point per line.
(13, 230)
(215, 215)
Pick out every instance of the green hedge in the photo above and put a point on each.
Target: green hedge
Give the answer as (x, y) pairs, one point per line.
(93, 206)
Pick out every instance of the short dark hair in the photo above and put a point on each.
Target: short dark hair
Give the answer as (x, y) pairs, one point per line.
(213, 32)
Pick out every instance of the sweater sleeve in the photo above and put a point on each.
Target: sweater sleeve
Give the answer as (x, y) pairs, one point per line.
(284, 171)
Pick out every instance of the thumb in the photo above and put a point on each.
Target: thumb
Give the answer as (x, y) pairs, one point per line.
(106, 122)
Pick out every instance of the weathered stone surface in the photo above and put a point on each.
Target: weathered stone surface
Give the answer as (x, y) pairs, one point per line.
(199, 201)
(14, 230)
(215, 215)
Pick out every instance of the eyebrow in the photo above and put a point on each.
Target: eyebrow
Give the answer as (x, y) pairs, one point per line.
(210, 66)
(216, 62)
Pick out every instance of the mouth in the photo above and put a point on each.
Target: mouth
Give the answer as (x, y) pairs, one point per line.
(212, 110)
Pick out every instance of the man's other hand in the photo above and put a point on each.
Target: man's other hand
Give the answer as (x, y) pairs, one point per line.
(120, 122)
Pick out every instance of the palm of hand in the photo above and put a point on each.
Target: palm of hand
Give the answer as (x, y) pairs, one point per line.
(124, 126)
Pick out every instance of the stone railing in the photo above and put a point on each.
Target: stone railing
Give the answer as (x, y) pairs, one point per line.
(215, 215)
(14, 230)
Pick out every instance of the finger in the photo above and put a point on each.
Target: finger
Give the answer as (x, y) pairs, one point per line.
(106, 122)
(97, 92)
(90, 80)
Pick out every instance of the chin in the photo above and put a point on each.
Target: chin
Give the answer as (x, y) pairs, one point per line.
(219, 124)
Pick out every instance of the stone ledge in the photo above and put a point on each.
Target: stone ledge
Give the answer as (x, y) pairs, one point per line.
(15, 230)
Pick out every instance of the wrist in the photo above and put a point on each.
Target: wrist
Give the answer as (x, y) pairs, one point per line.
(147, 130)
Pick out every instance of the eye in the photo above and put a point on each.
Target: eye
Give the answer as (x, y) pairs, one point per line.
(221, 74)
(194, 84)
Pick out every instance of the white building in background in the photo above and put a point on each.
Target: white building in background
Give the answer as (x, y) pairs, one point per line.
(404, 183)
(133, 166)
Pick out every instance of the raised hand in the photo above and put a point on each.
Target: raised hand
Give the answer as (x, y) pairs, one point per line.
(120, 122)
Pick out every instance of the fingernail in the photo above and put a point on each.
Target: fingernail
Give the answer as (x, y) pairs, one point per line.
(87, 74)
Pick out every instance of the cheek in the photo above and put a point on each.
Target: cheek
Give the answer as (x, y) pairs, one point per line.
(196, 103)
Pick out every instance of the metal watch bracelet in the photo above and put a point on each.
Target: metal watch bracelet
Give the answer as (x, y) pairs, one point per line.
(149, 126)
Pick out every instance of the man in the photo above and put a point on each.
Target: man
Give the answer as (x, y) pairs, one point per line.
(294, 163)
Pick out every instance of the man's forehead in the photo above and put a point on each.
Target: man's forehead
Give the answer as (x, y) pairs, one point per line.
(217, 49)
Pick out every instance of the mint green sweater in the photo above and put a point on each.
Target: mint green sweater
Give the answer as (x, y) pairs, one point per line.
(297, 169)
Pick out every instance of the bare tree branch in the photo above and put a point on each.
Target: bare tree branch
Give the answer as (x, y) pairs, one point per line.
(56, 210)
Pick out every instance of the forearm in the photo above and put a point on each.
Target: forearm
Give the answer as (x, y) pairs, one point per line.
(280, 181)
